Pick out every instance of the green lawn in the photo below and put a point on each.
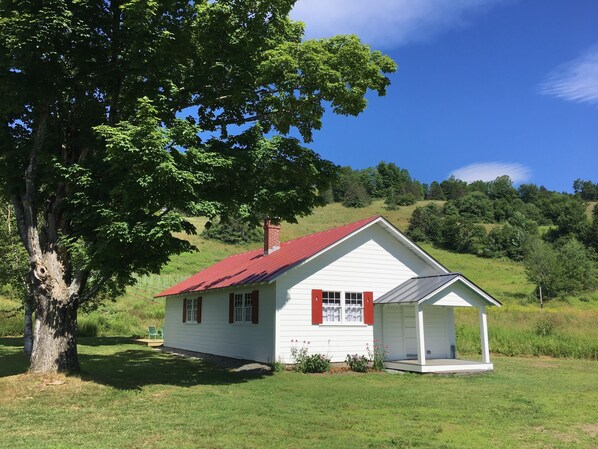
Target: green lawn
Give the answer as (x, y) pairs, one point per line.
(133, 397)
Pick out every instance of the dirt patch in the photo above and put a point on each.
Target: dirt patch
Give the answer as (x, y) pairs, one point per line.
(543, 364)
(565, 437)
(590, 429)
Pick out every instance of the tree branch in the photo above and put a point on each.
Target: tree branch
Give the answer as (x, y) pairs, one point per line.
(93, 290)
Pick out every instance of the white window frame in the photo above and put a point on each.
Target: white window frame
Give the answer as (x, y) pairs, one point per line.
(347, 299)
(243, 308)
(353, 300)
(191, 312)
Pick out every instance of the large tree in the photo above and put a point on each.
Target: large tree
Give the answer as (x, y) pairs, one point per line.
(117, 115)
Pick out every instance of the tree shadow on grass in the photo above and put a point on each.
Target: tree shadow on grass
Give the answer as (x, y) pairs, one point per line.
(12, 358)
(129, 368)
(103, 341)
(133, 369)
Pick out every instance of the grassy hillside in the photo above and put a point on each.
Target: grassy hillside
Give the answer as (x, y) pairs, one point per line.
(565, 327)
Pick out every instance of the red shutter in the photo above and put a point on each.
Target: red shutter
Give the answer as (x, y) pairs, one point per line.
(184, 310)
(368, 308)
(316, 307)
(199, 303)
(255, 306)
(231, 308)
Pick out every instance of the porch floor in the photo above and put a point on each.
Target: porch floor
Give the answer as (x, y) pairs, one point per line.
(439, 366)
(151, 342)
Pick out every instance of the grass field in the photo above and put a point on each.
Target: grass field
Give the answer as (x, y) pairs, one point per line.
(134, 397)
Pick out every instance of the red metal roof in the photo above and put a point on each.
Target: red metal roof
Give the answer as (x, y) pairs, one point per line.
(255, 267)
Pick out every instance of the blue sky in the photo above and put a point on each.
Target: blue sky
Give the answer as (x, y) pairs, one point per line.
(484, 87)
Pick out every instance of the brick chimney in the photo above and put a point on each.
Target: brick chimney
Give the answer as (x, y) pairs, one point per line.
(271, 236)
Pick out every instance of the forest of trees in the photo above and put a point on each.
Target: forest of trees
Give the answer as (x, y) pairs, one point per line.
(549, 231)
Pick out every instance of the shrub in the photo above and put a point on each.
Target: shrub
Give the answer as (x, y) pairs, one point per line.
(377, 355)
(356, 196)
(425, 224)
(477, 206)
(358, 363)
(233, 230)
(278, 367)
(309, 363)
(391, 200)
(407, 199)
(546, 326)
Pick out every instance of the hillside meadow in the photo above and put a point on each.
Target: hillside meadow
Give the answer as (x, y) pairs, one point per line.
(564, 328)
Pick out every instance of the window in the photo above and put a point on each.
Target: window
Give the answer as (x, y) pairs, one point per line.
(191, 311)
(354, 307)
(248, 307)
(329, 307)
(238, 307)
(243, 305)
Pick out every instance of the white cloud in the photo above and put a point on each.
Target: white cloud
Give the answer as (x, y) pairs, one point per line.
(489, 171)
(576, 80)
(386, 23)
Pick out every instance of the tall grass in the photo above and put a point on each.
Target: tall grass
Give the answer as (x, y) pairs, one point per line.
(562, 332)
(11, 318)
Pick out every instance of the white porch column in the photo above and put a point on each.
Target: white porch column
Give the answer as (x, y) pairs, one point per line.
(419, 335)
(484, 335)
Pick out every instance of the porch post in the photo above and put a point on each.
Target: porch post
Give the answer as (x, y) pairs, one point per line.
(484, 335)
(419, 331)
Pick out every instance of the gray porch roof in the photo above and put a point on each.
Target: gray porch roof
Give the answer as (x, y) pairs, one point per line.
(420, 288)
(415, 289)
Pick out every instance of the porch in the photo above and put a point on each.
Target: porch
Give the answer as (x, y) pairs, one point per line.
(418, 328)
(439, 366)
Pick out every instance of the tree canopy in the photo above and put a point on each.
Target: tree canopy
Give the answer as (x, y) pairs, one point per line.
(118, 115)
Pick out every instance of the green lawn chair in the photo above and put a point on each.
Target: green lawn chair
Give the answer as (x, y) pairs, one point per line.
(152, 332)
(161, 333)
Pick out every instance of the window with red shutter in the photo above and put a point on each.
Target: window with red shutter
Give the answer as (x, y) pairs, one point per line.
(335, 307)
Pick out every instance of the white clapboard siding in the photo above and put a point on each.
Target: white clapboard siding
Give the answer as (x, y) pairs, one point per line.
(436, 328)
(393, 333)
(457, 295)
(371, 260)
(215, 335)
(399, 334)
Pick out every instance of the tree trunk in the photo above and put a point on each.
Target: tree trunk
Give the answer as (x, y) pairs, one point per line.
(56, 305)
(55, 338)
(28, 340)
(541, 298)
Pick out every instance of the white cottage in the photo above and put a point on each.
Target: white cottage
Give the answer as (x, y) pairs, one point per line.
(340, 290)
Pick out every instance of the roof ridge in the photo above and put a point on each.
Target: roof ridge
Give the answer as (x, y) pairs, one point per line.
(454, 273)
